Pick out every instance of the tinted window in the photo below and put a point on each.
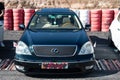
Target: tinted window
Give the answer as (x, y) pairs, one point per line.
(54, 21)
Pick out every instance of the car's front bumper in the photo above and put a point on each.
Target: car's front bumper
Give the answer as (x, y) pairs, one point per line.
(75, 66)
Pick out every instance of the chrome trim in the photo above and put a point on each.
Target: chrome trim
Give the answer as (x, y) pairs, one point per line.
(76, 48)
(85, 61)
(86, 54)
(54, 50)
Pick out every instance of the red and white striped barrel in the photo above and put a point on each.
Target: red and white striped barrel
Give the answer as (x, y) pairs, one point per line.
(115, 12)
(18, 18)
(95, 19)
(28, 14)
(107, 18)
(8, 19)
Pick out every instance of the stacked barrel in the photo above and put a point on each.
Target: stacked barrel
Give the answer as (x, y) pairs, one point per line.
(107, 18)
(99, 20)
(85, 17)
(115, 12)
(28, 14)
(18, 18)
(77, 12)
(96, 20)
(8, 19)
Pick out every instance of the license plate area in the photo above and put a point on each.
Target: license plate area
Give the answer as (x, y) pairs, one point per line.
(54, 65)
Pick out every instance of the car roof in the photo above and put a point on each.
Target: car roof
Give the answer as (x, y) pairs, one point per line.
(55, 10)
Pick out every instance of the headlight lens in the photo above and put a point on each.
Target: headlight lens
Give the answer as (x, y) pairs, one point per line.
(87, 48)
(22, 49)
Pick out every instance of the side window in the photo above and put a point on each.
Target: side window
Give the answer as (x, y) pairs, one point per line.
(118, 18)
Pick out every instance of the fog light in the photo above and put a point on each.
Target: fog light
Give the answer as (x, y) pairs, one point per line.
(19, 67)
(89, 67)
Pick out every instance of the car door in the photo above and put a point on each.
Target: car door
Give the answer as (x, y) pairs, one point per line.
(115, 31)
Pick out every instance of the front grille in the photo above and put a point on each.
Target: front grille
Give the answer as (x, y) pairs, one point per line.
(55, 50)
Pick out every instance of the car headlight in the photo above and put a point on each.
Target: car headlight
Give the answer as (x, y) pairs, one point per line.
(22, 49)
(87, 48)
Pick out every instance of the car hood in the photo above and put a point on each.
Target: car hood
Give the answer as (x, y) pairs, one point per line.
(54, 37)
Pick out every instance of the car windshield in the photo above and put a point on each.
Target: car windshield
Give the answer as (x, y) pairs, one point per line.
(54, 21)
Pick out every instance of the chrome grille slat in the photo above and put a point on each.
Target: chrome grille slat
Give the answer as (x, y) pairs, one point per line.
(49, 50)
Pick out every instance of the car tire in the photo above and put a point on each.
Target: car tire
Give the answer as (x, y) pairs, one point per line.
(110, 42)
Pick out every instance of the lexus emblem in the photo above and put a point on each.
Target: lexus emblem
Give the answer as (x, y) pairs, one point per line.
(54, 50)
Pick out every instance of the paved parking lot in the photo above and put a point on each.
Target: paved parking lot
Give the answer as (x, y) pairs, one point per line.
(103, 52)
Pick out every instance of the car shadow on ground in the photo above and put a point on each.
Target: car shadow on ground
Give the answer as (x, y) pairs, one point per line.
(103, 50)
(7, 52)
(98, 40)
(92, 74)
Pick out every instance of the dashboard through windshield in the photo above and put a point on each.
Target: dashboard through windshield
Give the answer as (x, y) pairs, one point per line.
(54, 21)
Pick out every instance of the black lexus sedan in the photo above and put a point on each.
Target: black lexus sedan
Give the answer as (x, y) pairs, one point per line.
(54, 41)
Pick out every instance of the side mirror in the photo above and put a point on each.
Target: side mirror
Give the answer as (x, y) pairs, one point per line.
(87, 27)
(22, 26)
